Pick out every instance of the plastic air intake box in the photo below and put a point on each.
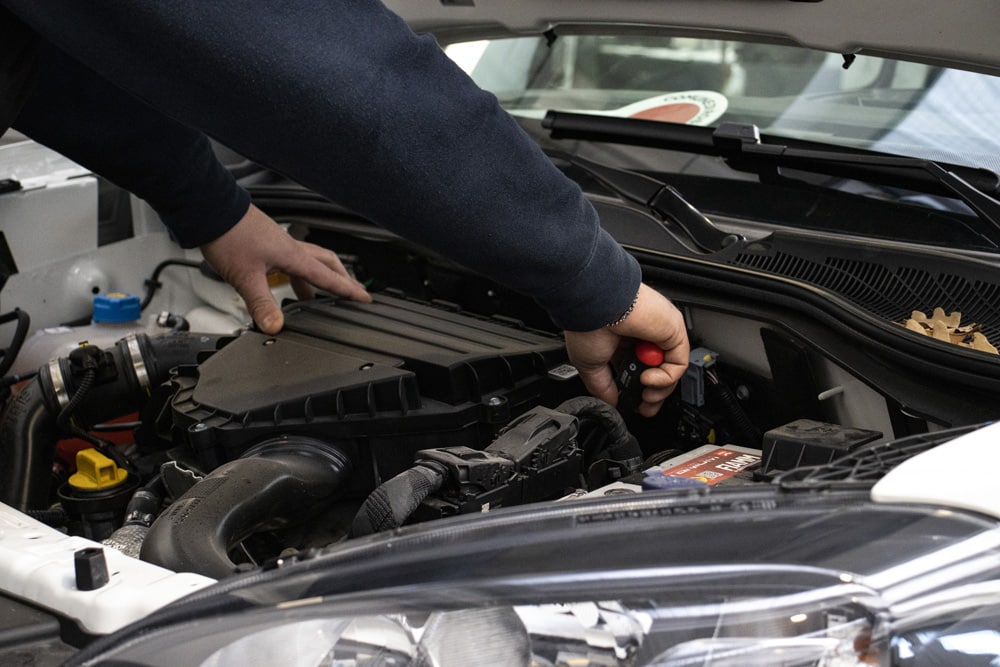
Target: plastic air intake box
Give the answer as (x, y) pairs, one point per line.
(383, 380)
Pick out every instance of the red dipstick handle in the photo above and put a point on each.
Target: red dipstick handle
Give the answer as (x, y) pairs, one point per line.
(644, 355)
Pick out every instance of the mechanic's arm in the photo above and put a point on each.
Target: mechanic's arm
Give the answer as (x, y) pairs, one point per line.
(86, 118)
(381, 121)
(652, 318)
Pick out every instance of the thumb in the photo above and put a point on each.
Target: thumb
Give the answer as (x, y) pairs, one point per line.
(260, 303)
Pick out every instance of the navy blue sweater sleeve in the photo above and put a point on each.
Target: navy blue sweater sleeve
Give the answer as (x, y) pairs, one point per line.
(78, 113)
(342, 97)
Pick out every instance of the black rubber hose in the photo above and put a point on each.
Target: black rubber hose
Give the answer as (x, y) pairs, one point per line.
(624, 447)
(393, 502)
(142, 510)
(279, 481)
(17, 341)
(153, 282)
(28, 435)
(740, 419)
(29, 427)
(179, 348)
(145, 504)
(82, 389)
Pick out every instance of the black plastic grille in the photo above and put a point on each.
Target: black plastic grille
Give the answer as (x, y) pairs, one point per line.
(889, 291)
(869, 463)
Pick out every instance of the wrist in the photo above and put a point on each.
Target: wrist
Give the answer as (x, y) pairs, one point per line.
(628, 311)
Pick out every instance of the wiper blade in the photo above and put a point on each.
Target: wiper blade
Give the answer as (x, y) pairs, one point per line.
(745, 149)
(658, 197)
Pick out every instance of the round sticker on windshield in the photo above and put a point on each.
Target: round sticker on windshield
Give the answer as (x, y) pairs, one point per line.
(692, 107)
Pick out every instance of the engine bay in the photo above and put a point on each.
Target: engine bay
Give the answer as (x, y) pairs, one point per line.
(205, 446)
(233, 450)
(185, 447)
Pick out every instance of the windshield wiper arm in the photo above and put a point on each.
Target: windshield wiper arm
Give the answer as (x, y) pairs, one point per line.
(656, 196)
(745, 149)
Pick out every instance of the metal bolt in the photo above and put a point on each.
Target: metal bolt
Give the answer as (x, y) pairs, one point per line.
(742, 392)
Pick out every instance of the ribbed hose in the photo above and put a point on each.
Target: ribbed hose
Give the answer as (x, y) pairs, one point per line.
(28, 435)
(393, 502)
(276, 482)
(623, 448)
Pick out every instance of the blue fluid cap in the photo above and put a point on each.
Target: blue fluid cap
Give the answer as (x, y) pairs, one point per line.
(117, 307)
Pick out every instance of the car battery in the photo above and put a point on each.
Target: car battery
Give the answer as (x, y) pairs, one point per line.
(700, 468)
(708, 464)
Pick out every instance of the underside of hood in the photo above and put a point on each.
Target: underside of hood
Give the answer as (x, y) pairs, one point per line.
(958, 33)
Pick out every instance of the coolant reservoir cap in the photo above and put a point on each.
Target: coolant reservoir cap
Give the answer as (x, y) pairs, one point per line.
(95, 471)
(117, 307)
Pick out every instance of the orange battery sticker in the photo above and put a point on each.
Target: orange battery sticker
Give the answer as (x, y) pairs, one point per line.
(714, 466)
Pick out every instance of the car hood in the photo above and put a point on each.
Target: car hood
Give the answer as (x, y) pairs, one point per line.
(954, 34)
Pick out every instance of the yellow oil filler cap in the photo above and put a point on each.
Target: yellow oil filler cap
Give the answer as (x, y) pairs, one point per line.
(96, 471)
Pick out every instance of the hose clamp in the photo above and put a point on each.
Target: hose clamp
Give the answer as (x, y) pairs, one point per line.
(138, 363)
(58, 383)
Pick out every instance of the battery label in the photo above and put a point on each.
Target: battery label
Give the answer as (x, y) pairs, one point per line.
(714, 466)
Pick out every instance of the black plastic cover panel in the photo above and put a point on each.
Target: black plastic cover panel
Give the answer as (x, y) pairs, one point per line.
(391, 375)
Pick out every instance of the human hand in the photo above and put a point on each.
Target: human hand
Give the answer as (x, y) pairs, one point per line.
(653, 319)
(256, 245)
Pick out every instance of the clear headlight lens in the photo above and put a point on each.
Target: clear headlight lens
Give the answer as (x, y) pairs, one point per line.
(831, 626)
(746, 578)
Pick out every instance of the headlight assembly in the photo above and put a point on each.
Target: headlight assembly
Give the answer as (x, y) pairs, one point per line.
(728, 578)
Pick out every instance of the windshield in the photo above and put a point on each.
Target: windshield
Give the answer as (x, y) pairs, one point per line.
(865, 102)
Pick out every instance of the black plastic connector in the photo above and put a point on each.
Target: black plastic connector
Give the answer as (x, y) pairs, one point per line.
(536, 454)
(91, 569)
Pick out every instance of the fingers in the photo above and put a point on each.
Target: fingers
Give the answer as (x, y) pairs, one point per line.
(256, 294)
(659, 385)
(302, 289)
(590, 352)
(255, 246)
(654, 319)
(601, 384)
(312, 266)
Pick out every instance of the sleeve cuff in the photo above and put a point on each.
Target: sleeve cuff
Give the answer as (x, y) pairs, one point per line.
(600, 292)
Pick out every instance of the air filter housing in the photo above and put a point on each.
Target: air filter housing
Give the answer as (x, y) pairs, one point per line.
(384, 380)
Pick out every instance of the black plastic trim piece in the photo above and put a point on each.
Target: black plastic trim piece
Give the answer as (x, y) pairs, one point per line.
(930, 379)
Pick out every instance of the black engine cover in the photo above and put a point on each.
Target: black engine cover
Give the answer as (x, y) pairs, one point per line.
(384, 380)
